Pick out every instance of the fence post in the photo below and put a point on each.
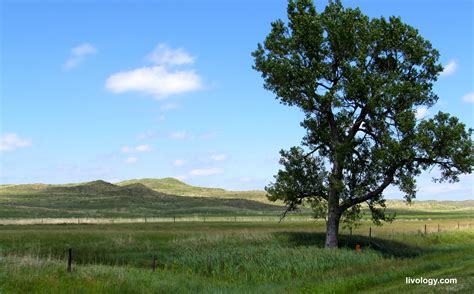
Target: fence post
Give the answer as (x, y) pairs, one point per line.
(153, 265)
(174, 219)
(69, 261)
(350, 231)
(458, 225)
(370, 232)
(425, 229)
(439, 229)
(209, 264)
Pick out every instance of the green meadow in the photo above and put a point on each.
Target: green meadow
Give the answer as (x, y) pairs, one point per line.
(220, 242)
(226, 257)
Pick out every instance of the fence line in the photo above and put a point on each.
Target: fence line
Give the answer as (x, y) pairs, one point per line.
(171, 219)
(433, 227)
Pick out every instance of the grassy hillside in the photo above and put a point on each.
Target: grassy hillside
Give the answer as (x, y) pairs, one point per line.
(175, 187)
(164, 198)
(102, 199)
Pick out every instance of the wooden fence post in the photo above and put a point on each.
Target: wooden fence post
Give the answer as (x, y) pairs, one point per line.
(153, 265)
(370, 232)
(350, 231)
(209, 264)
(69, 261)
(425, 229)
(174, 219)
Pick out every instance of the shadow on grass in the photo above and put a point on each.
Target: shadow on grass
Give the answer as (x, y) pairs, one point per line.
(388, 248)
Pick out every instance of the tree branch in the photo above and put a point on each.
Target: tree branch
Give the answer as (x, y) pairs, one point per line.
(316, 149)
(386, 182)
(356, 127)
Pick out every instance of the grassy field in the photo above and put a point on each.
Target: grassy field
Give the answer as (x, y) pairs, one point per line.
(218, 257)
(221, 242)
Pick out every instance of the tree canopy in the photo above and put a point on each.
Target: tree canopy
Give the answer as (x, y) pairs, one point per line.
(359, 82)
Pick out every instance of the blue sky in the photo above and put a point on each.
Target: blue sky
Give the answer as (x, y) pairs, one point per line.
(131, 89)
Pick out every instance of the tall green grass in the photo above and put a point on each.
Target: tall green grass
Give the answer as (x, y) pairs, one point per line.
(227, 258)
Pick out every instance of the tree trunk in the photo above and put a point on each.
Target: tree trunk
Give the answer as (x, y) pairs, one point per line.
(332, 228)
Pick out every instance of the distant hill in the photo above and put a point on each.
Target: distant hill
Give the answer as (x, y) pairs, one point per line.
(177, 187)
(103, 199)
(431, 205)
(165, 197)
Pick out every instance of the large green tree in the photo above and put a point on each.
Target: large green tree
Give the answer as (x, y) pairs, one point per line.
(359, 82)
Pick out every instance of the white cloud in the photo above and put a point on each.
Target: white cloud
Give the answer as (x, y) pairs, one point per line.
(149, 134)
(449, 68)
(209, 135)
(143, 148)
(218, 157)
(131, 159)
(160, 80)
(126, 149)
(163, 55)
(178, 162)
(181, 135)
(10, 142)
(139, 148)
(422, 112)
(83, 49)
(169, 106)
(78, 54)
(468, 98)
(157, 81)
(205, 172)
(161, 118)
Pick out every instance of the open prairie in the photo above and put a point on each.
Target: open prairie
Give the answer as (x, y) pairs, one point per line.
(220, 242)
(230, 257)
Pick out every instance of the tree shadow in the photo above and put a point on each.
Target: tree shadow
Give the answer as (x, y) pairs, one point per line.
(388, 248)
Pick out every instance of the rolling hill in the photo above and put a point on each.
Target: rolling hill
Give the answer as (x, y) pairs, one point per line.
(168, 197)
(103, 199)
(176, 187)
